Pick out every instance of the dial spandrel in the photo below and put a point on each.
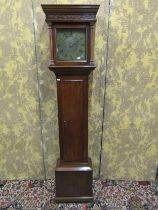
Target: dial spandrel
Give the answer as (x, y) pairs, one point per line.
(71, 44)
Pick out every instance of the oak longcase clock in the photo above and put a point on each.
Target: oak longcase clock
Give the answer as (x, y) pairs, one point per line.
(72, 48)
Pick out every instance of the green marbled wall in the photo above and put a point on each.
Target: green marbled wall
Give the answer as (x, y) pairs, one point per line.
(130, 143)
(20, 137)
(28, 118)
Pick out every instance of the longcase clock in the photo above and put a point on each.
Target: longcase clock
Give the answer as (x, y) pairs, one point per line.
(72, 49)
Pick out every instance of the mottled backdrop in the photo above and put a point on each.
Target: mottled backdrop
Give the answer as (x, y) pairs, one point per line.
(123, 99)
(130, 142)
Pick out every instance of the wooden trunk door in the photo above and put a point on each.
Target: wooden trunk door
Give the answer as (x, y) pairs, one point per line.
(73, 117)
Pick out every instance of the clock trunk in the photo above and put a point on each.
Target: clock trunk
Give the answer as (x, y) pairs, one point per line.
(73, 123)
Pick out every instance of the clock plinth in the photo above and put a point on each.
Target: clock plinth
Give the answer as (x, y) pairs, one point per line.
(72, 41)
(73, 181)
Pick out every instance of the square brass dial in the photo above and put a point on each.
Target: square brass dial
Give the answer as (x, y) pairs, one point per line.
(71, 44)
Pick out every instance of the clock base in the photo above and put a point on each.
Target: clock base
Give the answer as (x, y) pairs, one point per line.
(73, 199)
(73, 181)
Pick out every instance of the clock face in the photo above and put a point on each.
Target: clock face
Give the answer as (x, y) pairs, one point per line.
(71, 44)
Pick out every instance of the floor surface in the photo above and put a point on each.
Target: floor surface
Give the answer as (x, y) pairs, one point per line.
(108, 195)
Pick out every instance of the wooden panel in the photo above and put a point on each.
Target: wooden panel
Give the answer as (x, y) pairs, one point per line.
(73, 118)
(68, 175)
(65, 182)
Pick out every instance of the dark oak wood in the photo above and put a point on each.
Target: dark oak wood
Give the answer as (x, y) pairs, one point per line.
(73, 115)
(70, 13)
(73, 174)
(71, 70)
(73, 181)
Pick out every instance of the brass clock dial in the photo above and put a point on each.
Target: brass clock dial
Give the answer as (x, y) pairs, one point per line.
(71, 44)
